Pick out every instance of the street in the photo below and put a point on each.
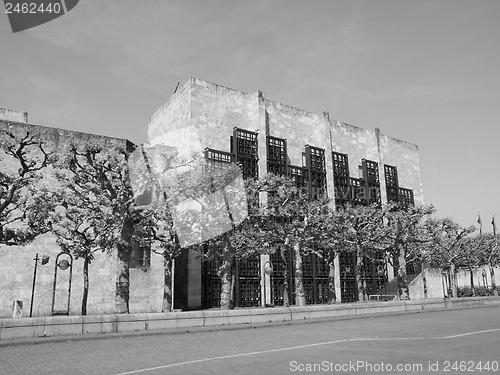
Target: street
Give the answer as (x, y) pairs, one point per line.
(455, 342)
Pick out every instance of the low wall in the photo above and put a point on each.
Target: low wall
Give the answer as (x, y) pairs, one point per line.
(12, 328)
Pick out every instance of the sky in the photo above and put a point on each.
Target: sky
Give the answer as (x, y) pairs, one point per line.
(427, 72)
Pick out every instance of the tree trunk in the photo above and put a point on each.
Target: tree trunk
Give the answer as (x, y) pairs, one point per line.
(122, 291)
(286, 275)
(225, 272)
(493, 282)
(403, 290)
(167, 284)
(472, 290)
(85, 285)
(359, 280)
(332, 298)
(299, 280)
(453, 278)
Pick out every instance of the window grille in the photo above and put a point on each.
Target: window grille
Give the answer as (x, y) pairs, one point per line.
(370, 171)
(371, 181)
(316, 158)
(315, 163)
(358, 193)
(218, 159)
(406, 197)
(391, 183)
(342, 191)
(276, 156)
(340, 164)
(246, 143)
(244, 147)
(299, 175)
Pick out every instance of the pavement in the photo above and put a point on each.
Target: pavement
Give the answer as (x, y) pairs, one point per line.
(450, 341)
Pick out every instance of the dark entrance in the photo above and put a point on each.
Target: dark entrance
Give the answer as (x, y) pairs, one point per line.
(348, 288)
(246, 287)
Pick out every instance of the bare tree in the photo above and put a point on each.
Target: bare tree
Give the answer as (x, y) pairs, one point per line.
(24, 202)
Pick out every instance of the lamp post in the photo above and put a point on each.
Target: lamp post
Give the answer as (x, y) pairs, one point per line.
(268, 270)
(45, 260)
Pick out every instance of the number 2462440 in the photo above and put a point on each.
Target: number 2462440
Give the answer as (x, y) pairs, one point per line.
(32, 8)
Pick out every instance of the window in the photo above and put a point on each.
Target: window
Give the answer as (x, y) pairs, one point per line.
(406, 197)
(391, 183)
(299, 175)
(341, 180)
(141, 250)
(315, 163)
(276, 156)
(371, 181)
(244, 147)
(218, 159)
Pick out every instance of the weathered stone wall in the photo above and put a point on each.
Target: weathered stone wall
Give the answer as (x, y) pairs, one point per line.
(12, 115)
(405, 157)
(17, 264)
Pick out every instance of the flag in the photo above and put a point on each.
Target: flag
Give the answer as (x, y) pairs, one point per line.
(494, 226)
(480, 223)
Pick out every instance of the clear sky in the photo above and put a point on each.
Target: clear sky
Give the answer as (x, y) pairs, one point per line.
(427, 72)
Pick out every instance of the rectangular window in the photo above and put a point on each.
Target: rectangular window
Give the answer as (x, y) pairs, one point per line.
(218, 159)
(140, 256)
(371, 181)
(391, 183)
(244, 146)
(299, 175)
(315, 163)
(276, 156)
(342, 191)
(340, 164)
(406, 197)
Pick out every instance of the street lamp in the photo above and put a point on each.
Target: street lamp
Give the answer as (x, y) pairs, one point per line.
(268, 270)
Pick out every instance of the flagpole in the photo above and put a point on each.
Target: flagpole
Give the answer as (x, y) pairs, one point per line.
(480, 223)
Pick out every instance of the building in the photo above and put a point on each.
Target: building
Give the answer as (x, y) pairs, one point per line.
(352, 164)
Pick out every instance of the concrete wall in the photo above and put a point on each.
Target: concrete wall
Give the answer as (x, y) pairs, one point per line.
(437, 284)
(78, 325)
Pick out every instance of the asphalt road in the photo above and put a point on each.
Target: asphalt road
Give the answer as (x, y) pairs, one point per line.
(444, 342)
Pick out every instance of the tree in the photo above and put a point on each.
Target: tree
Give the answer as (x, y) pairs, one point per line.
(24, 201)
(81, 226)
(489, 254)
(363, 232)
(97, 211)
(470, 255)
(337, 240)
(447, 237)
(289, 218)
(405, 232)
(157, 230)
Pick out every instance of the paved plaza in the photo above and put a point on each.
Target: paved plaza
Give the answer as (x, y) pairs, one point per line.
(455, 342)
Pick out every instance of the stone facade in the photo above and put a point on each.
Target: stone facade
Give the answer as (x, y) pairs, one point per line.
(203, 115)
(17, 262)
(199, 115)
